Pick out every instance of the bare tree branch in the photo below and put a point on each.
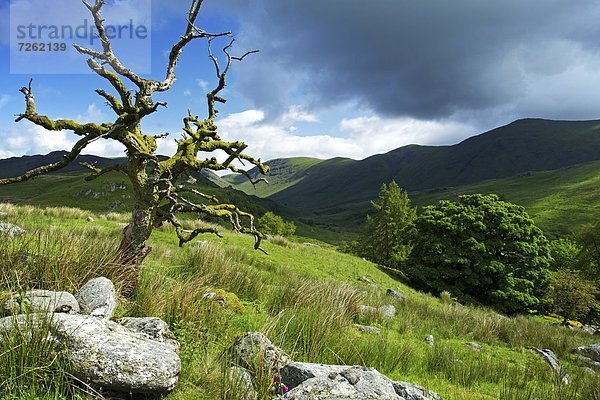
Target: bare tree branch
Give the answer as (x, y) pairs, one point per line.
(97, 172)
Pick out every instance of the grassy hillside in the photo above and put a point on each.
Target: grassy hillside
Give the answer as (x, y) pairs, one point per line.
(284, 173)
(560, 201)
(304, 298)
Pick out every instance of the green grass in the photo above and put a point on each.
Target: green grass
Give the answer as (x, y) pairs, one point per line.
(304, 298)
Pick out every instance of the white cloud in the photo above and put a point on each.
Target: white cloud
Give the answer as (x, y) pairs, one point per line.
(365, 136)
(187, 92)
(202, 83)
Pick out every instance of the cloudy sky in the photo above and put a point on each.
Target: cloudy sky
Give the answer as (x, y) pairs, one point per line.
(343, 77)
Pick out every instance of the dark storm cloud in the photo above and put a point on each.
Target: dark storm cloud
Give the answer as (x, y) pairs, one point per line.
(423, 58)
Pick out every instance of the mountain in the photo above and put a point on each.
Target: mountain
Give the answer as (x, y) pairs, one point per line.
(338, 191)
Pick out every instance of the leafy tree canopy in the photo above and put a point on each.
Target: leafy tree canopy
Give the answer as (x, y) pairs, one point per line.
(481, 250)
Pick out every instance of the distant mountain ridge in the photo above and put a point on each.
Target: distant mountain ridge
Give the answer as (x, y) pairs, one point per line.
(328, 188)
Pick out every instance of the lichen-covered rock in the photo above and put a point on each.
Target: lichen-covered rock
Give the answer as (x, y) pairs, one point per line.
(97, 298)
(474, 346)
(309, 381)
(368, 329)
(386, 311)
(549, 356)
(254, 348)
(105, 354)
(151, 327)
(395, 294)
(592, 352)
(42, 301)
(11, 230)
(242, 382)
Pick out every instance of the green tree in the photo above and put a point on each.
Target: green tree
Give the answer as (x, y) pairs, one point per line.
(573, 296)
(481, 250)
(387, 234)
(273, 224)
(565, 254)
(588, 238)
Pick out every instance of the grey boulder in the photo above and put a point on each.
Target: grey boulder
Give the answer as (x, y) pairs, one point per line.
(105, 354)
(97, 298)
(42, 301)
(335, 382)
(254, 348)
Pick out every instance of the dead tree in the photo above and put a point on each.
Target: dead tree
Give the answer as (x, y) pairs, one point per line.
(159, 189)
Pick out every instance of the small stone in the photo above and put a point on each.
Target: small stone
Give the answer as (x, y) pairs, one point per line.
(388, 311)
(430, 340)
(592, 352)
(588, 371)
(97, 298)
(255, 348)
(474, 346)
(393, 293)
(90, 219)
(307, 244)
(11, 230)
(368, 329)
(364, 279)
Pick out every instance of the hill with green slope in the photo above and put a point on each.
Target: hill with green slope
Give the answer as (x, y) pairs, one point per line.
(560, 201)
(284, 173)
(337, 192)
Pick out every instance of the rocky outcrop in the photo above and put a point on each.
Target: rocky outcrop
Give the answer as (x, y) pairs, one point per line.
(254, 348)
(335, 382)
(241, 379)
(42, 301)
(137, 356)
(97, 298)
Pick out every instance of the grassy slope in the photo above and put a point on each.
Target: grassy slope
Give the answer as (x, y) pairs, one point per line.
(560, 201)
(304, 298)
(284, 173)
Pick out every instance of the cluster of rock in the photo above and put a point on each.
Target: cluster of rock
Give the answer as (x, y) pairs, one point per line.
(132, 355)
(304, 381)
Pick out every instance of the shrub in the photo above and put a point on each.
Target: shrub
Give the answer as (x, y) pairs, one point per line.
(481, 250)
(573, 296)
(273, 224)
